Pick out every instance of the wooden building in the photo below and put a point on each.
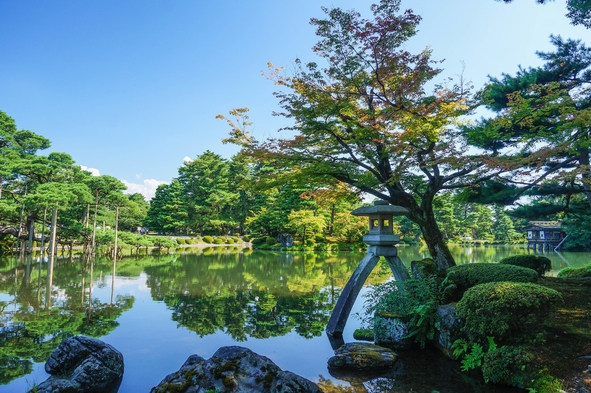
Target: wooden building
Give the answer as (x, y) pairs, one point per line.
(544, 235)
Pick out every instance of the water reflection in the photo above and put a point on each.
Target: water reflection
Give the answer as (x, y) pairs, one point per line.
(261, 295)
(215, 296)
(43, 307)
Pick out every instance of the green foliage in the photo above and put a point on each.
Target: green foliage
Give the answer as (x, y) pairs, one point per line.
(506, 365)
(208, 239)
(412, 299)
(306, 224)
(466, 276)
(507, 311)
(257, 241)
(571, 272)
(218, 240)
(543, 382)
(539, 263)
(270, 240)
(237, 240)
(181, 240)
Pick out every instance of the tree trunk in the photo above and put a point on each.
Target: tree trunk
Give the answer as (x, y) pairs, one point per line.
(436, 244)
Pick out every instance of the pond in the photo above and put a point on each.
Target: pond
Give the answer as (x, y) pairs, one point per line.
(158, 310)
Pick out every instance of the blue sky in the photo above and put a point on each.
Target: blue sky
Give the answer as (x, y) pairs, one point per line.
(131, 88)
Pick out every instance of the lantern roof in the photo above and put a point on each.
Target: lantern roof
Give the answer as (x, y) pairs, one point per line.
(380, 207)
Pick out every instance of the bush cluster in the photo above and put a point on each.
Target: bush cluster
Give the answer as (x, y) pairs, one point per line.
(218, 240)
(571, 272)
(208, 239)
(506, 365)
(505, 310)
(467, 276)
(181, 240)
(539, 263)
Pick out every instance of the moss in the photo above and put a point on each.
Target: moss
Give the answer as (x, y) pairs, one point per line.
(363, 334)
(269, 377)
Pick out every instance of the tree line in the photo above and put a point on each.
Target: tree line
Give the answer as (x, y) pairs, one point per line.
(365, 123)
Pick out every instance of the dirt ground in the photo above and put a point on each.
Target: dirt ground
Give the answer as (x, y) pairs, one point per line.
(567, 351)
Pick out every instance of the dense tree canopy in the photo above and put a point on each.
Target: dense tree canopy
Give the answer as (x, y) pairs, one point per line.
(363, 116)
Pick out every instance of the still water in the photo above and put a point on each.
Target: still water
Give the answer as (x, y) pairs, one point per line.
(158, 310)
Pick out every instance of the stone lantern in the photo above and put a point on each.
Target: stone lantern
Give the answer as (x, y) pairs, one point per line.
(380, 223)
(381, 242)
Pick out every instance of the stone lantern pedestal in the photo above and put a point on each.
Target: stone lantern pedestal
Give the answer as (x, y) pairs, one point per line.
(382, 243)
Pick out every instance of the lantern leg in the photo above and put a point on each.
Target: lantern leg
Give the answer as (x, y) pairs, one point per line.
(341, 312)
(400, 271)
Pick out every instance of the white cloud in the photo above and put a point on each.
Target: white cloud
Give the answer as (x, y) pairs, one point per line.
(93, 171)
(147, 189)
(187, 159)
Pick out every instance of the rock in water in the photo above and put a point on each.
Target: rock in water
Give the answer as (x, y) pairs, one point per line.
(234, 369)
(83, 364)
(362, 356)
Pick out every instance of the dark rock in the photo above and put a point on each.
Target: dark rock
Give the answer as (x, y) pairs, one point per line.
(83, 364)
(362, 356)
(233, 369)
(449, 330)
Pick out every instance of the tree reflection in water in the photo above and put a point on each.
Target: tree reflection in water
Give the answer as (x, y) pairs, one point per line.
(33, 325)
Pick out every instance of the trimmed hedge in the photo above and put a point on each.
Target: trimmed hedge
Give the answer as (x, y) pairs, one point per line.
(466, 276)
(181, 240)
(505, 310)
(539, 263)
(208, 239)
(218, 240)
(571, 272)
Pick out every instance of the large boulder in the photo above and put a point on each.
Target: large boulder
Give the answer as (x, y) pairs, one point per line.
(233, 369)
(83, 364)
(362, 356)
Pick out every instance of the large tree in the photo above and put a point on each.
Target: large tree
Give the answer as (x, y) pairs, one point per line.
(542, 117)
(363, 116)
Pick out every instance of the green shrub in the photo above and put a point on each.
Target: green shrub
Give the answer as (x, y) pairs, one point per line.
(505, 310)
(539, 263)
(571, 272)
(218, 240)
(181, 240)
(237, 239)
(257, 241)
(246, 237)
(270, 240)
(228, 240)
(507, 366)
(191, 240)
(320, 238)
(208, 239)
(466, 276)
